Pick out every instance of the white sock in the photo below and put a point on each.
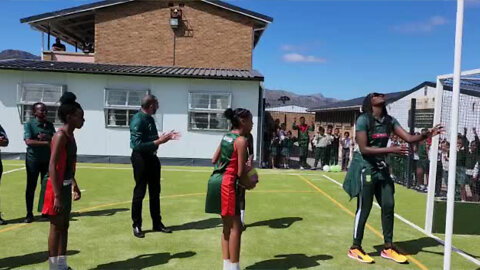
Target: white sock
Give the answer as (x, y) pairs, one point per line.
(62, 263)
(235, 266)
(242, 216)
(53, 263)
(226, 264)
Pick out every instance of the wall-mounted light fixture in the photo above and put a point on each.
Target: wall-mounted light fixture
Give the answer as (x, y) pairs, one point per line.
(175, 17)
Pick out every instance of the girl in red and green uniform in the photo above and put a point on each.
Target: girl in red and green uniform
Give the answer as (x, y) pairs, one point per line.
(223, 196)
(61, 180)
(368, 175)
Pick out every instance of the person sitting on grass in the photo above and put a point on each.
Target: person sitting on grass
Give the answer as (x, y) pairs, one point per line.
(368, 175)
(61, 183)
(231, 166)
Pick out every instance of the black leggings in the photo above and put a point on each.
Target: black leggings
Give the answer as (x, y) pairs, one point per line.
(34, 168)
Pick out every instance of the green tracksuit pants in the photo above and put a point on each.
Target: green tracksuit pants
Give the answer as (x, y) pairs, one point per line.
(382, 187)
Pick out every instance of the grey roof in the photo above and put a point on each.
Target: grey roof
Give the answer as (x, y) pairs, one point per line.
(103, 4)
(131, 70)
(356, 103)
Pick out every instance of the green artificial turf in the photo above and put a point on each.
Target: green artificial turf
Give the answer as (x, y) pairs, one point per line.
(291, 224)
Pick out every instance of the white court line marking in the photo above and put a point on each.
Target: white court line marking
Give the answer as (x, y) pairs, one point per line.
(14, 170)
(406, 221)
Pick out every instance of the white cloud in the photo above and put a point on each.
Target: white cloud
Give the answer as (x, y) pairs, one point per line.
(300, 58)
(421, 26)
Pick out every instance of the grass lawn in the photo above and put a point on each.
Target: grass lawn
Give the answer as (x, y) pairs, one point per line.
(295, 219)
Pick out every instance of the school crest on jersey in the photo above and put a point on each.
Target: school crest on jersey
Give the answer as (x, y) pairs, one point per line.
(228, 139)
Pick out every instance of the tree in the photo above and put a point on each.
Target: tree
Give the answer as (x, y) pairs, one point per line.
(284, 99)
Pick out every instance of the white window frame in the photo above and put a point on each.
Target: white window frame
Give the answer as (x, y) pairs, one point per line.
(209, 110)
(23, 104)
(129, 109)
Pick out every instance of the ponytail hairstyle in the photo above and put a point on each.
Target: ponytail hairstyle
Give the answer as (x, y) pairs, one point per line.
(235, 115)
(68, 106)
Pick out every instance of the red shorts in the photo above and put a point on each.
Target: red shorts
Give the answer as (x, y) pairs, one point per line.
(229, 196)
(65, 196)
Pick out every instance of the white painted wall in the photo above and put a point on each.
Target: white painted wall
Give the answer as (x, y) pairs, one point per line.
(95, 139)
(399, 109)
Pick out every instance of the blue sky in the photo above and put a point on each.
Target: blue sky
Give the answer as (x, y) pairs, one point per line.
(342, 49)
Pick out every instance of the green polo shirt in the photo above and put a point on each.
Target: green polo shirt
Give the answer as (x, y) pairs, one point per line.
(379, 135)
(33, 130)
(143, 132)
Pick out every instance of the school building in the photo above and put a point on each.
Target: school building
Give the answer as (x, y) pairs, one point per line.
(195, 56)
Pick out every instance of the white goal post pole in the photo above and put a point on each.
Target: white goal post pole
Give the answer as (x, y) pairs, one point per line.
(432, 177)
(453, 135)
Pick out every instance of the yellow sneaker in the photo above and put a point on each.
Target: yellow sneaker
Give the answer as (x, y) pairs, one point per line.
(393, 254)
(358, 254)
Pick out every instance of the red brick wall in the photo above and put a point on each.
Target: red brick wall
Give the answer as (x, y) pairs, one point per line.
(140, 33)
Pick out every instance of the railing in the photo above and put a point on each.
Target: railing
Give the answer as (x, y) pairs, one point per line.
(62, 56)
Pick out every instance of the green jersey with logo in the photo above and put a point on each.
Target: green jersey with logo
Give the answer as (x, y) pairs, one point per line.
(378, 133)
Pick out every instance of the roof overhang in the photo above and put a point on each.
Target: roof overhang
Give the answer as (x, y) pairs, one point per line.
(131, 70)
(74, 25)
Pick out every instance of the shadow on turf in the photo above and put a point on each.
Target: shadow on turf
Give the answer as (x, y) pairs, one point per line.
(28, 259)
(96, 213)
(412, 247)
(145, 260)
(290, 261)
(198, 225)
(276, 223)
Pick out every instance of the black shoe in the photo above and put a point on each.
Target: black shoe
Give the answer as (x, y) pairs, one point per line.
(137, 232)
(29, 219)
(161, 228)
(3, 222)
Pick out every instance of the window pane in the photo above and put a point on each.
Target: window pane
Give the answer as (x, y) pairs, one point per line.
(217, 121)
(32, 94)
(219, 102)
(116, 97)
(52, 114)
(200, 101)
(131, 113)
(135, 98)
(26, 113)
(199, 120)
(52, 94)
(117, 117)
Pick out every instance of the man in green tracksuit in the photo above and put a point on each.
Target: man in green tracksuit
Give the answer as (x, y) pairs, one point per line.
(369, 176)
(303, 139)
